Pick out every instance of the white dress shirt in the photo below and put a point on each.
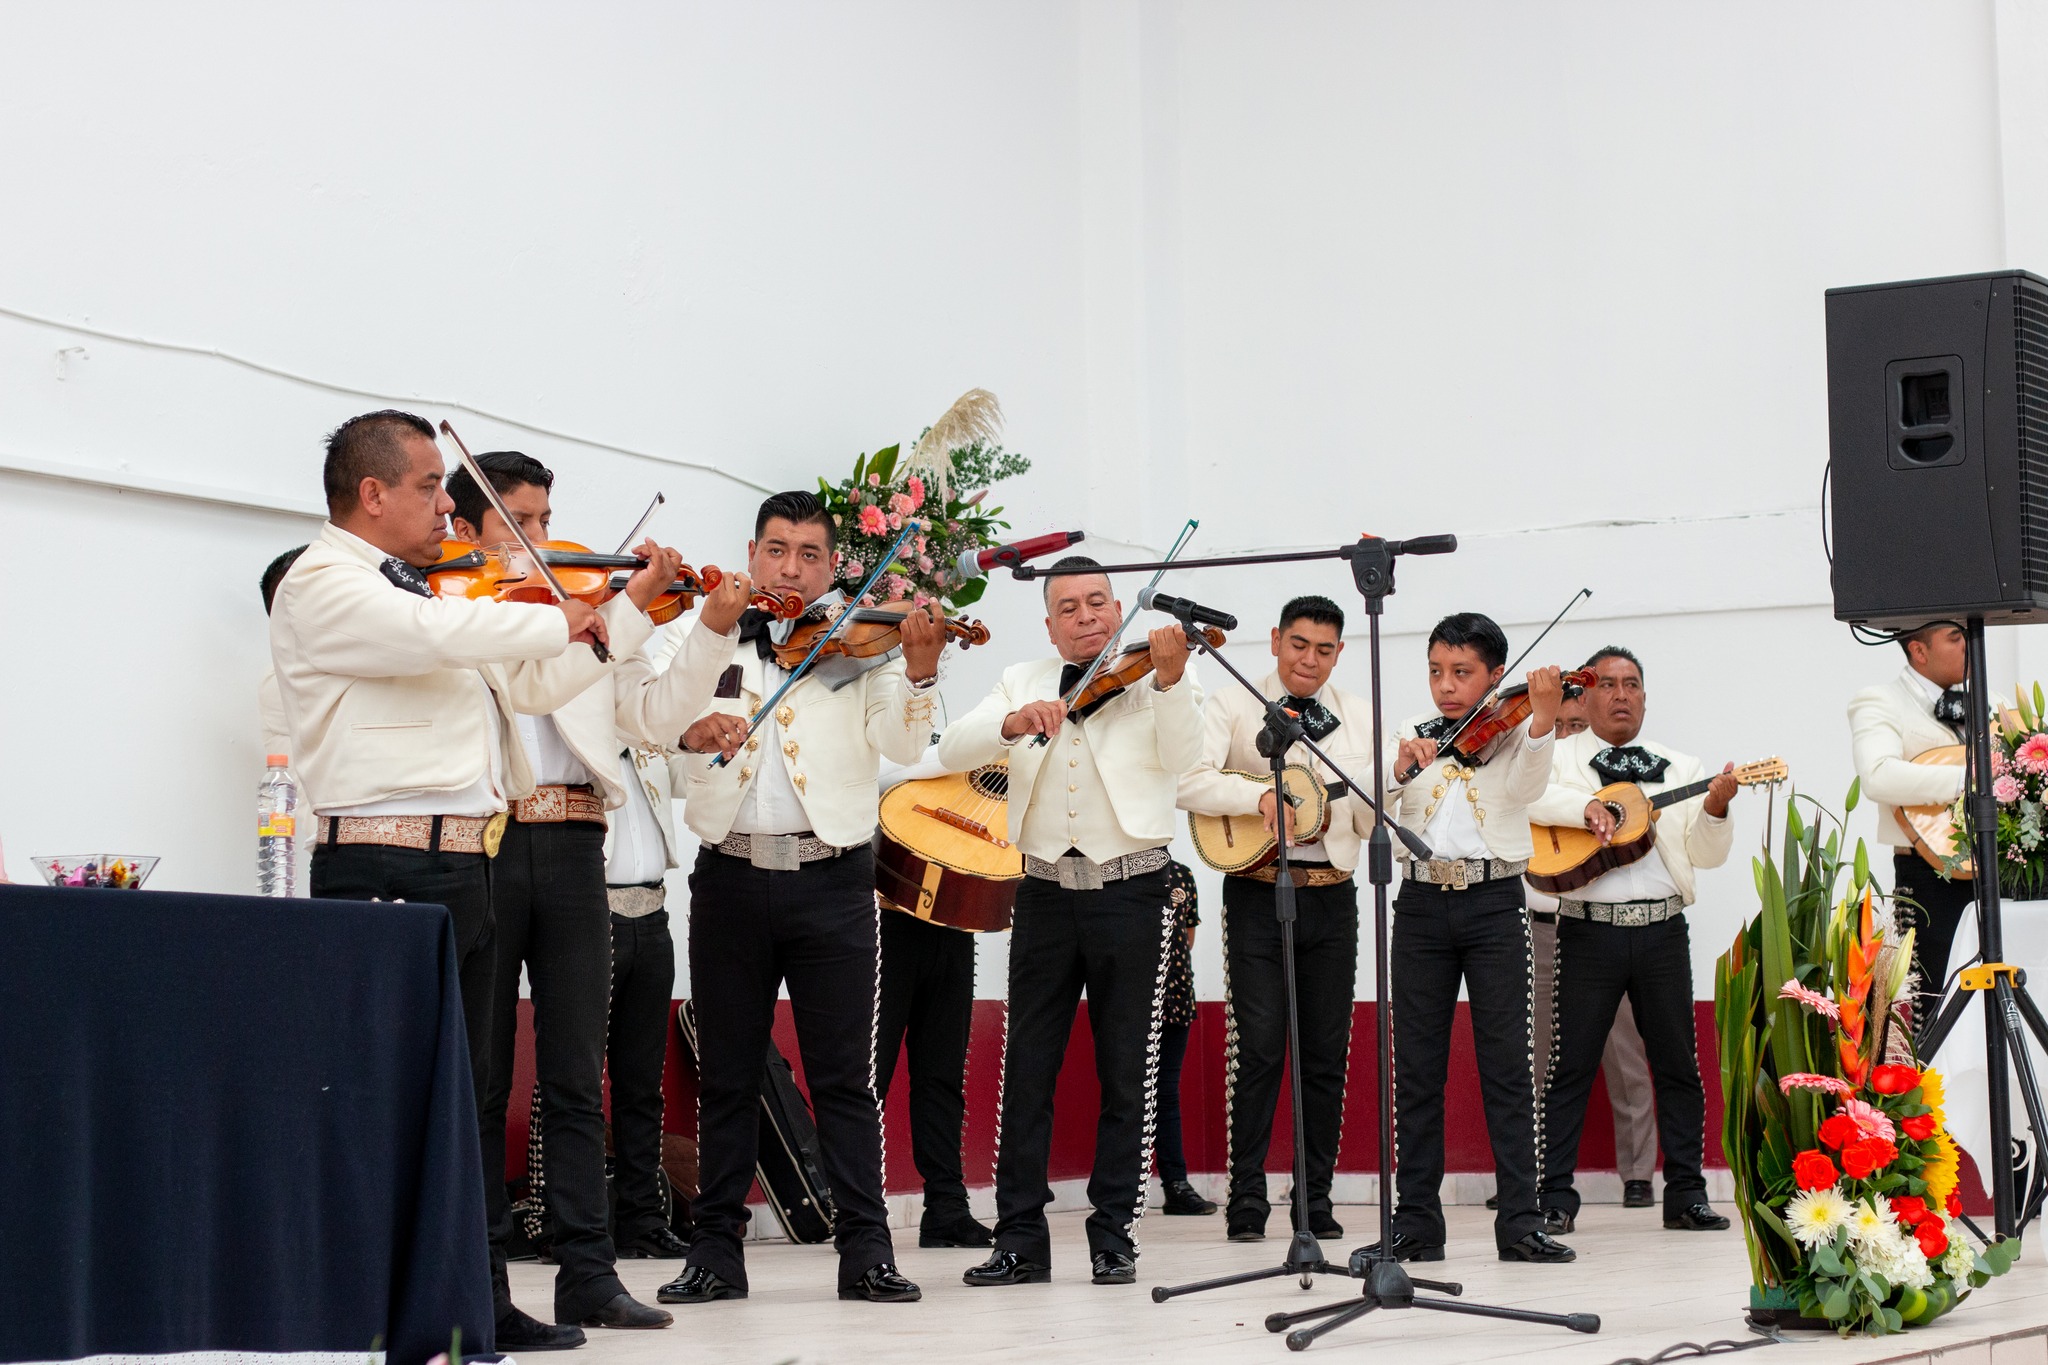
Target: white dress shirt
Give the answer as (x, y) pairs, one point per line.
(772, 804)
(1646, 879)
(639, 855)
(554, 763)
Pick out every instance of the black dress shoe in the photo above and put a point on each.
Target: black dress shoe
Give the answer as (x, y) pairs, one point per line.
(1637, 1194)
(658, 1245)
(628, 1313)
(1557, 1220)
(1007, 1267)
(963, 1231)
(1113, 1267)
(1245, 1225)
(882, 1284)
(521, 1331)
(697, 1285)
(1184, 1199)
(1406, 1248)
(1322, 1223)
(1698, 1217)
(1493, 1201)
(1541, 1248)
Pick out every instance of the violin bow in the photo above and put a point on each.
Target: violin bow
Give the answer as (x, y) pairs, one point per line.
(640, 525)
(1452, 738)
(497, 503)
(767, 707)
(1081, 684)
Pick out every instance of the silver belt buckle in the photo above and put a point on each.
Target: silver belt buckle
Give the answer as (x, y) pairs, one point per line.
(774, 852)
(1080, 874)
(1631, 916)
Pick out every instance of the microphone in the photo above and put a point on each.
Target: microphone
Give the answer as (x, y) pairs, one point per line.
(1151, 599)
(975, 563)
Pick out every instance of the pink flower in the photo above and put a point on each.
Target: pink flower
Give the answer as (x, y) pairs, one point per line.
(895, 521)
(874, 480)
(901, 504)
(899, 586)
(1999, 765)
(2006, 789)
(854, 569)
(2032, 756)
(916, 487)
(1806, 1080)
(1868, 1120)
(872, 521)
(922, 599)
(1812, 999)
(924, 563)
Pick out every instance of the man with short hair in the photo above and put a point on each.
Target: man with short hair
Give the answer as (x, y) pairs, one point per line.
(784, 891)
(1306, 646)
(401, 708)
(1624, 933)
(1890, 725)
(1092, 810)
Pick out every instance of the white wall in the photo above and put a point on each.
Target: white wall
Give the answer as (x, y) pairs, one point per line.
(1547, 276)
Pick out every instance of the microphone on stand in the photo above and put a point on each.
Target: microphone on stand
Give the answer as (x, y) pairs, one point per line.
(1190, 613)
(976, 563)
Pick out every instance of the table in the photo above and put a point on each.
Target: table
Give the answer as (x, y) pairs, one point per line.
(1961, 1061)
(230, 1124)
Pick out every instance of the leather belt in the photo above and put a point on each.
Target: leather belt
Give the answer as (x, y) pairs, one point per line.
(778, 852)
(1305, 874)
(1076, 872)
(632, 902)
(554, 804)
(424, 833)
(1456, 874)
(1623, 914)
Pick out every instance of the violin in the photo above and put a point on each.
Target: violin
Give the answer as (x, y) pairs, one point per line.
(1133, 665)
(502, 572)
(868, 632)
(1483, 729)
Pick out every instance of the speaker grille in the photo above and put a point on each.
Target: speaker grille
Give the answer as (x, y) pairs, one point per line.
(2030, 325)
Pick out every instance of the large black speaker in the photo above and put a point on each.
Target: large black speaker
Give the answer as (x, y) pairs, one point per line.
(1938, 449)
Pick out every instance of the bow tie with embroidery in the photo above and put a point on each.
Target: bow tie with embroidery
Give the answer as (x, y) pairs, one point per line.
(405, 576)
(1628, 763)
(1317, 720)
(1949, 709)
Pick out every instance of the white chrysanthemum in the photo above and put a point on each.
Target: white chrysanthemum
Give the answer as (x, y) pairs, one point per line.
(1815, 1216)
(1868, 1228)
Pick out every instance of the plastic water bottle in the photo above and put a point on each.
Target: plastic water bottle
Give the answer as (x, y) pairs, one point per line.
(277, 817)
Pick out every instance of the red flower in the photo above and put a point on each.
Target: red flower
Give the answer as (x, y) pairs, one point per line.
(1919, 1129)
(1861, 1158)
(1812, 1170)
(1933, 1238)
(1838, 1132)
(1909, 1209)
(1894, 1080)
(1955, 1203)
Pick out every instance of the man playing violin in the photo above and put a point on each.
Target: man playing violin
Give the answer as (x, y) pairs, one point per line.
(1093, 910)
(1624, 934)
(784, 891)
(1460, 914)
(402, 708)
(1306, 646)
(552, 911)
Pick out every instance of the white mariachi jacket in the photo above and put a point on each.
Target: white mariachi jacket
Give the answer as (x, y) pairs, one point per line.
(1687, 837)
(1890, 725)
(1503, 789)
(642, 706)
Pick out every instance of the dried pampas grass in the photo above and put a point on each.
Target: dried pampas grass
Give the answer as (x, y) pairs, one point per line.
(974, 416)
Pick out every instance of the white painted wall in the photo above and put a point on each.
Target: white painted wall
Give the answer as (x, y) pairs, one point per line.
(1547, 276)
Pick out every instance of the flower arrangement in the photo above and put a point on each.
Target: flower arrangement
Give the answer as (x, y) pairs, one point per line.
(1844, 1170)
(942, 484)
(2019, 781)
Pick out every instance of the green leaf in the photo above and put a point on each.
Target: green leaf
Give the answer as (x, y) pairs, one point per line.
(1836, 1304)
(1855, 795)
(1777, 1225)
(1827, 1262)
(968, 593)
(860, 469)
(1892, 1321)
(883, 464)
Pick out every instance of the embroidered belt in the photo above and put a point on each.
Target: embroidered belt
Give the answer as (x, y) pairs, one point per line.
(1078, 873)
(1305, 874)
(1623, 914)
(778, 852)
(424, 833)
(1455, 874)
(632, 902)
(552, 805)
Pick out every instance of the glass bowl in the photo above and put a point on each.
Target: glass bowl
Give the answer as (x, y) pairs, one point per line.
(108, 871)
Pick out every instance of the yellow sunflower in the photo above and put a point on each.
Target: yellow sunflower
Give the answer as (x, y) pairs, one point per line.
(1941, 1171)
(1933, 1095)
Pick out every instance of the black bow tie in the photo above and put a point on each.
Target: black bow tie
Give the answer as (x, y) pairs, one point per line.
(1317, 721)
(1069, 675)
(1628, 763)
(405, 576)
(1436, 727)
(1949, 709)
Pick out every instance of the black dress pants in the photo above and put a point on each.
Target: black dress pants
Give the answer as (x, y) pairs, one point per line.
(1480, 934)
(1597, 964)
(1932, 907)
(547, 893)
(1169, 1150)
(928, 997)
(751, 930)
(636, 1049)
(1325, 978)
(462, 882)
(1110, 943)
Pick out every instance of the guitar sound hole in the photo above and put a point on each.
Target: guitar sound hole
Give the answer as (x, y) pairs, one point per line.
(992, 782)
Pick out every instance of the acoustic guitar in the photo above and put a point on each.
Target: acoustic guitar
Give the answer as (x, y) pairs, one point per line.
(1568, 857)
(1933, 828)
(943, 851)
(1241, 843)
